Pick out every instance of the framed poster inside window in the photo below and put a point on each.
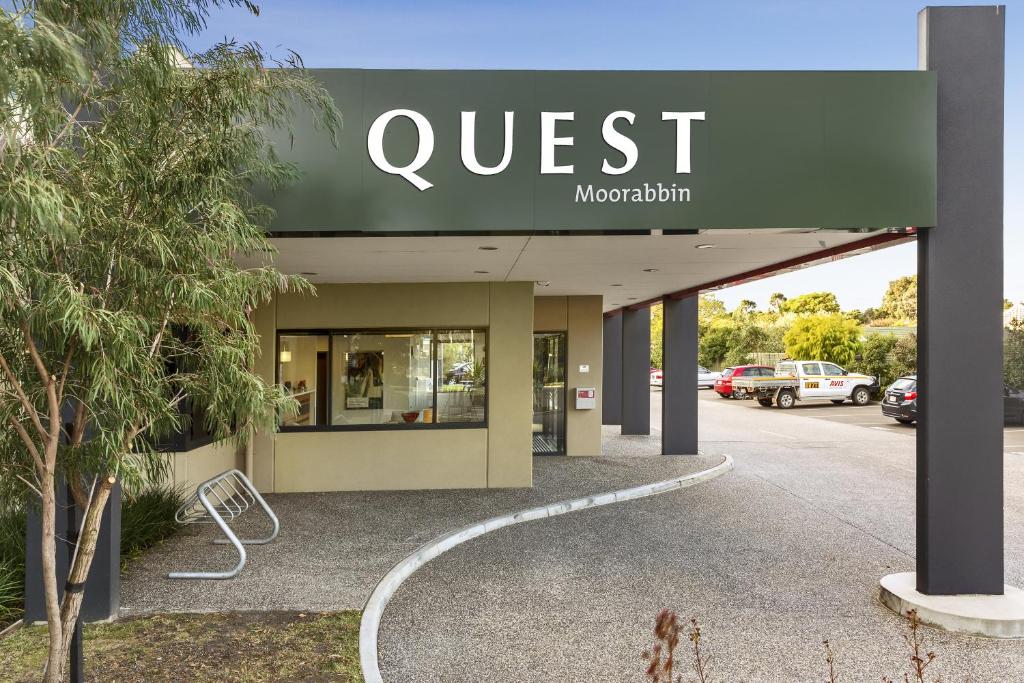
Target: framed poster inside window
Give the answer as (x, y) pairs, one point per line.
(364, 382)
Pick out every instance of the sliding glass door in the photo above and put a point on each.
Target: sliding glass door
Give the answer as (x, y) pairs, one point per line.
(549, 393)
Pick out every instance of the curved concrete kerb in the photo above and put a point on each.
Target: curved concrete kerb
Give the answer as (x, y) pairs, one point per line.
(378, 600)
(995, 616)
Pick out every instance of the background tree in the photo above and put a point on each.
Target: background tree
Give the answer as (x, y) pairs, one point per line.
(657, 335)
(1007, 304)
(1013, 355)
(904, 355)
(831, 337)
(744, 309)
(125, 182)
(899, 302)
(810, 303)
(876, 359)
(776, 300)
(714, 342)
(709, 307)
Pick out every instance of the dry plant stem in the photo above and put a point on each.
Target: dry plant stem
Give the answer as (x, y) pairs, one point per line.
(700, 661)
(666, 633)
(833, 677)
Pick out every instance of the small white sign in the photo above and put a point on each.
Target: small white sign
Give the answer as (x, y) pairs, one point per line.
(584, 369)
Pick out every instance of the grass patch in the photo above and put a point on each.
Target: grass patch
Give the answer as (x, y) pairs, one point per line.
(245, 647)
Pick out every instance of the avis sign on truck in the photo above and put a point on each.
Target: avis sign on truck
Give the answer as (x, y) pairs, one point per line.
(550, 140)
(807, 380)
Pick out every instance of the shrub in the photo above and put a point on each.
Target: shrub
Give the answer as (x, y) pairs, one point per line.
(830, 337)
(148, 518)
(876, 359)
(1013, 355)
(12, 562)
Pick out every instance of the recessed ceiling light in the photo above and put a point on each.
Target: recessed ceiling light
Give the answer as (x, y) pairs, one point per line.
(487, 248)
(632, 298)
(650, 270)
(704, 246)
(481, 272)
(543, 283)
(308, 272)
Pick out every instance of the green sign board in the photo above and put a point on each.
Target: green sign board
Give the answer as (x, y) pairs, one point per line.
(460, 151)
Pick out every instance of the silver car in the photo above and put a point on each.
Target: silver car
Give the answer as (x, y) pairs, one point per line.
(706, 378)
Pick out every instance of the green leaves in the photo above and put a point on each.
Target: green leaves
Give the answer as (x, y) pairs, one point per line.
(126, 173)
(830, 337)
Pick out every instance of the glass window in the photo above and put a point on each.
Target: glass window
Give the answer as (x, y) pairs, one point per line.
(832, 370)
(462, 371)
(302, 370)
(728, 372)
(382, 378)
(904, 384)
(787, 369)
(811, 369)
(767, 372)
(377, 378)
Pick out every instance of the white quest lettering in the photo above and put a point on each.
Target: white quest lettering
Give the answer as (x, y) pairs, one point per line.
(548, 142)
(620, 143)
(469, 159)
(683, 120)
(424, 150)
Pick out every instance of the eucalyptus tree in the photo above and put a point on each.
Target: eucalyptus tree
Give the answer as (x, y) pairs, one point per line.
(127, 169)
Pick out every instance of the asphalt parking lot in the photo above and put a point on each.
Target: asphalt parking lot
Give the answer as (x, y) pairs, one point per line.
(869, 416)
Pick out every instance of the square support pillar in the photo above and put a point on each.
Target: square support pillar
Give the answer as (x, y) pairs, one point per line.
(636, 371)
(679, 395)
(960, 296)
(611, 384)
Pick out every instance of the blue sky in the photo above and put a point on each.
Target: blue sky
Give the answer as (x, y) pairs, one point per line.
(641, 34)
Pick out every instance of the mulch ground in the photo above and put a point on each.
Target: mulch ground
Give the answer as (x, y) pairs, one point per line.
(241, 647)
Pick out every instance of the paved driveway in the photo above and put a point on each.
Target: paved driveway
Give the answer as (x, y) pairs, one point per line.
(335, 547)
(773, 558)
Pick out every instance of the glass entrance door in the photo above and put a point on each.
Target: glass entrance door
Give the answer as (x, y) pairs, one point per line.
(549, 393)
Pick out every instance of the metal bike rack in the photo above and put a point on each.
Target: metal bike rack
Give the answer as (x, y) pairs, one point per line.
(219, 501)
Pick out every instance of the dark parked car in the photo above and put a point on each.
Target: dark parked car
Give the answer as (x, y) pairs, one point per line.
(900, 402)
(1013, 405)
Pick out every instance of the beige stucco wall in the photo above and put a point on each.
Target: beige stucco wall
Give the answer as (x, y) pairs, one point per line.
(585, 347)
(496, 456)
(581, 318)
(510, 385)
(191, 468)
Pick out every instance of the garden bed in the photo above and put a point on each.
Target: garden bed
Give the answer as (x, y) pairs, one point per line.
(242, 647)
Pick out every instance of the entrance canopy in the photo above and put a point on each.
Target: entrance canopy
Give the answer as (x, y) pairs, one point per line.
(553, 151)
(626, 269)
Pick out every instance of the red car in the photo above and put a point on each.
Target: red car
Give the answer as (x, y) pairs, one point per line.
(723, 385)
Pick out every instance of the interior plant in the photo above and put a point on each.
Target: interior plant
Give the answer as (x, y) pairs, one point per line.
(128, 164)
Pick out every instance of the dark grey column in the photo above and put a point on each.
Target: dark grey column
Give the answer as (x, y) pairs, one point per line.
(960, 295)
(679, 394)
(103, 587)
(611, 385)
(636, 371)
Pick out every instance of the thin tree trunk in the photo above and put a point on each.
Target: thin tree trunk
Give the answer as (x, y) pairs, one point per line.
(54, 663)
(72, 603)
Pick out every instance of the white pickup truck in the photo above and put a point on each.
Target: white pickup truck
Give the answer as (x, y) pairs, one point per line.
(807, 380)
